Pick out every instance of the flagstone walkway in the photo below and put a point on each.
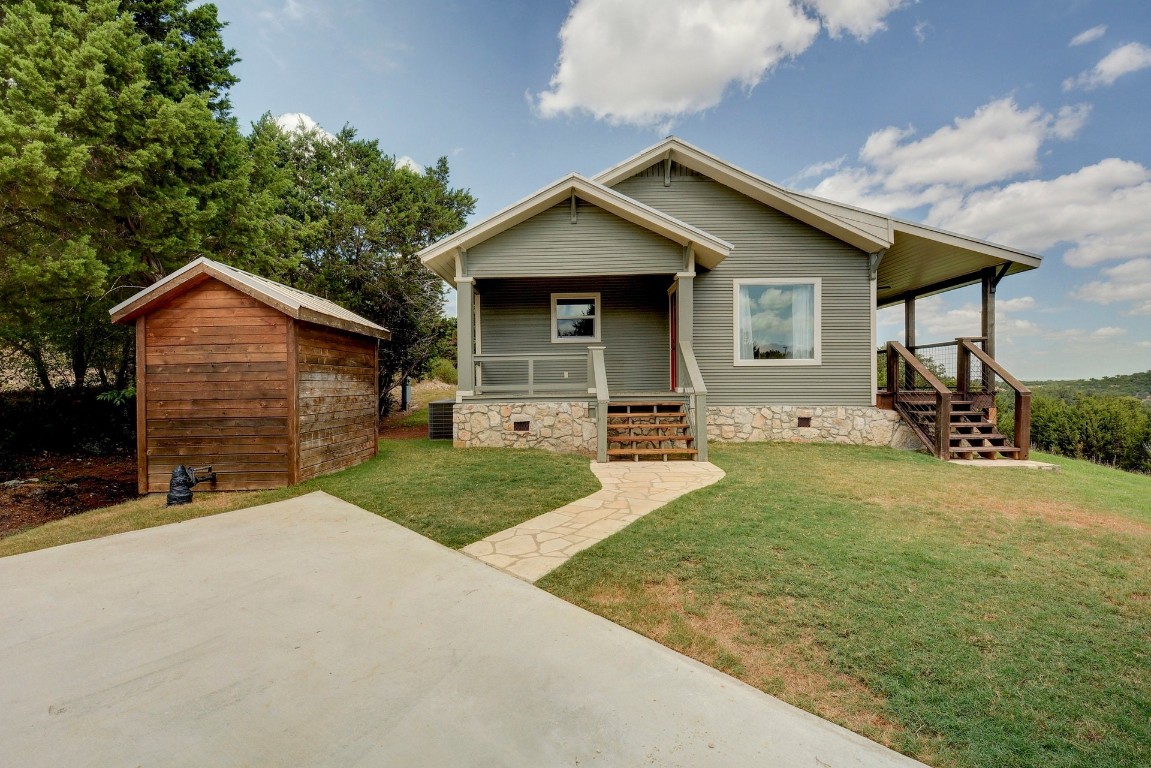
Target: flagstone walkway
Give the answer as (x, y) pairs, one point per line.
(630, 490)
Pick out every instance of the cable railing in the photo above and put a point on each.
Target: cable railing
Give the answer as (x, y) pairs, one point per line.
(928, 382)
(920, 396)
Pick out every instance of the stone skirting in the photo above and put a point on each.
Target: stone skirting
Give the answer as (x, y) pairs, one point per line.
(563, 427)
(850, 425)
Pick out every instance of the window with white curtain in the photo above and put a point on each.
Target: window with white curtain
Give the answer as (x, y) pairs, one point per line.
(777, 321)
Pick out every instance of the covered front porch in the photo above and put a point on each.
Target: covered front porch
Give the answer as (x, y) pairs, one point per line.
(600, 364)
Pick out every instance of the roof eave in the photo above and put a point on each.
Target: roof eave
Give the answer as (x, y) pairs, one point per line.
(744, 182)
(710, 250)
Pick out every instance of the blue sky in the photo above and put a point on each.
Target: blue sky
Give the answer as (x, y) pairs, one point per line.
(1024, 122)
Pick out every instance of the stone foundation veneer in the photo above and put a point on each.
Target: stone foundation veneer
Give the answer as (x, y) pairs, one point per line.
(562, 427)
(850, 425)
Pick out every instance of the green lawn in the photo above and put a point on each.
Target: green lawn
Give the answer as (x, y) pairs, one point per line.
(453, 496)
(966, 617)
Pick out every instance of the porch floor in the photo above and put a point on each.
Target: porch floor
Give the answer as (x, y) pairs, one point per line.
(631, 489)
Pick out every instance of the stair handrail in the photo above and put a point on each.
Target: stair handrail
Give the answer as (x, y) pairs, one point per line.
(942, 436)
(1022, 398)
(698, 396)
(597, 376)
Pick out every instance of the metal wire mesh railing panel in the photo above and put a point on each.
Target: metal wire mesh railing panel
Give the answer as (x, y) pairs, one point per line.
(941, 360)
(916, 397)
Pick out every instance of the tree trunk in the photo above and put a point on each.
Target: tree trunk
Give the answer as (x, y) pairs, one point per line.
(79, 361)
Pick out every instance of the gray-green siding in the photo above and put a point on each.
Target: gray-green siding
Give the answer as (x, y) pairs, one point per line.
(769, 244)
(515, 318)
(599, 243)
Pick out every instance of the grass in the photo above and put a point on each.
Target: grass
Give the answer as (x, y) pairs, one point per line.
(452, 496)
(965, 617)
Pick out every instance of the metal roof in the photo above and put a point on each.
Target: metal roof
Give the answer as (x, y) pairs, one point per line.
(291, 301)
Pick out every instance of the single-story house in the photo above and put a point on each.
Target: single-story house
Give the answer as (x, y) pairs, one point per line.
(675, 296)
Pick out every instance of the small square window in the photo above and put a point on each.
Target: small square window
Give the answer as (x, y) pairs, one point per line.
(521, 426)
(575, 317)
(804, 421)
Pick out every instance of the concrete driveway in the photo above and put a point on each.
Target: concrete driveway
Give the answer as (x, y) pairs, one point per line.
(311, 632)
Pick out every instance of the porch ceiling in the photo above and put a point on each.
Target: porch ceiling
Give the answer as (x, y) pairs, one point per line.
(924, 261)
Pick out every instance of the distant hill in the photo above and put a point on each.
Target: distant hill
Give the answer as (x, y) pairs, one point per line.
(1130, 385)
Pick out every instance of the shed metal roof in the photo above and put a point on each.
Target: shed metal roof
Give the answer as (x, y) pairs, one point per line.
(291, 301)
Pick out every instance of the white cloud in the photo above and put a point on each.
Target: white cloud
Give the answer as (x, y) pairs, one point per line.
(298, 122)
(1101, 210)
(1089, 35)
(861, 18)
(1122, 61)
(409, 164)
(1130, 281)
(819, 169)
(649, 62)
(920, 31)
(999, 141)
(961, 173)
(1108, 332)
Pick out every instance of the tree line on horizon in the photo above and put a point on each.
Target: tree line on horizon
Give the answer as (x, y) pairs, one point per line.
(120, 162)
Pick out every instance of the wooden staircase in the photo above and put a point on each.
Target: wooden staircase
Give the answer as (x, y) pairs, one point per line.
(649, 430)
(973, 436)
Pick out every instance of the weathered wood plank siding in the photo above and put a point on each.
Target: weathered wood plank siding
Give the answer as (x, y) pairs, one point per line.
(769, 244)
(216, 389)
(515, 318)
(600, 243)
(337, 399)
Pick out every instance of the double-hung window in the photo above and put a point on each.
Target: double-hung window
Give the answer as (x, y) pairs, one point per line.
(575, 317)
(777, 321)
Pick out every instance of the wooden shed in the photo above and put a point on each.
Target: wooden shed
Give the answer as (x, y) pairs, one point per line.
(267, 384)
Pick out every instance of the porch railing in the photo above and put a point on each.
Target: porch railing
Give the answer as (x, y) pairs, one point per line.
(923, 380)
(920, 396)
(970, 359)
(542, 373)
(597, 374)
(697, 399)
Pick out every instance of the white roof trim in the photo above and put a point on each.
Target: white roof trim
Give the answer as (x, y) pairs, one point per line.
(746, 183)
(1030, 260)
(709, 250)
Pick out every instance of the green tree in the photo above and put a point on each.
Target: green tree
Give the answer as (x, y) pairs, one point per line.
(357, 220)
(118, 163)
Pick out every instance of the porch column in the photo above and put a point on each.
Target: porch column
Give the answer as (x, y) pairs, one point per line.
(909, 338)
(909, 322)
(685, 307)
(465, 334)
(987, 325)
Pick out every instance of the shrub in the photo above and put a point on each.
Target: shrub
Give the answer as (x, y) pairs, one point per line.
(444, 371)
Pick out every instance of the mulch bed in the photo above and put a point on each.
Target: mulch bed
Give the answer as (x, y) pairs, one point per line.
(39, 488)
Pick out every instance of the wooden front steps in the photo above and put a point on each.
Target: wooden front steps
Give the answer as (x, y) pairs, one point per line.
(649, 429)
(972, 435)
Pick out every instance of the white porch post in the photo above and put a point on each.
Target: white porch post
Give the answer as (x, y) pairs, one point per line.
(465, 334)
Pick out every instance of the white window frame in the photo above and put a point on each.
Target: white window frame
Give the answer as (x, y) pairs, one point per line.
(557, 339)
(817, 282)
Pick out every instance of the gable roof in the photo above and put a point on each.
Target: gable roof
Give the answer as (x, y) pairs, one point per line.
(292, 302)
(917, 259)
(709, 250)
(862, 237)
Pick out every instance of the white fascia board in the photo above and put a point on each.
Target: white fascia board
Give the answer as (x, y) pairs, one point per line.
(439, 256)
(746, 183)
(1028, 260)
